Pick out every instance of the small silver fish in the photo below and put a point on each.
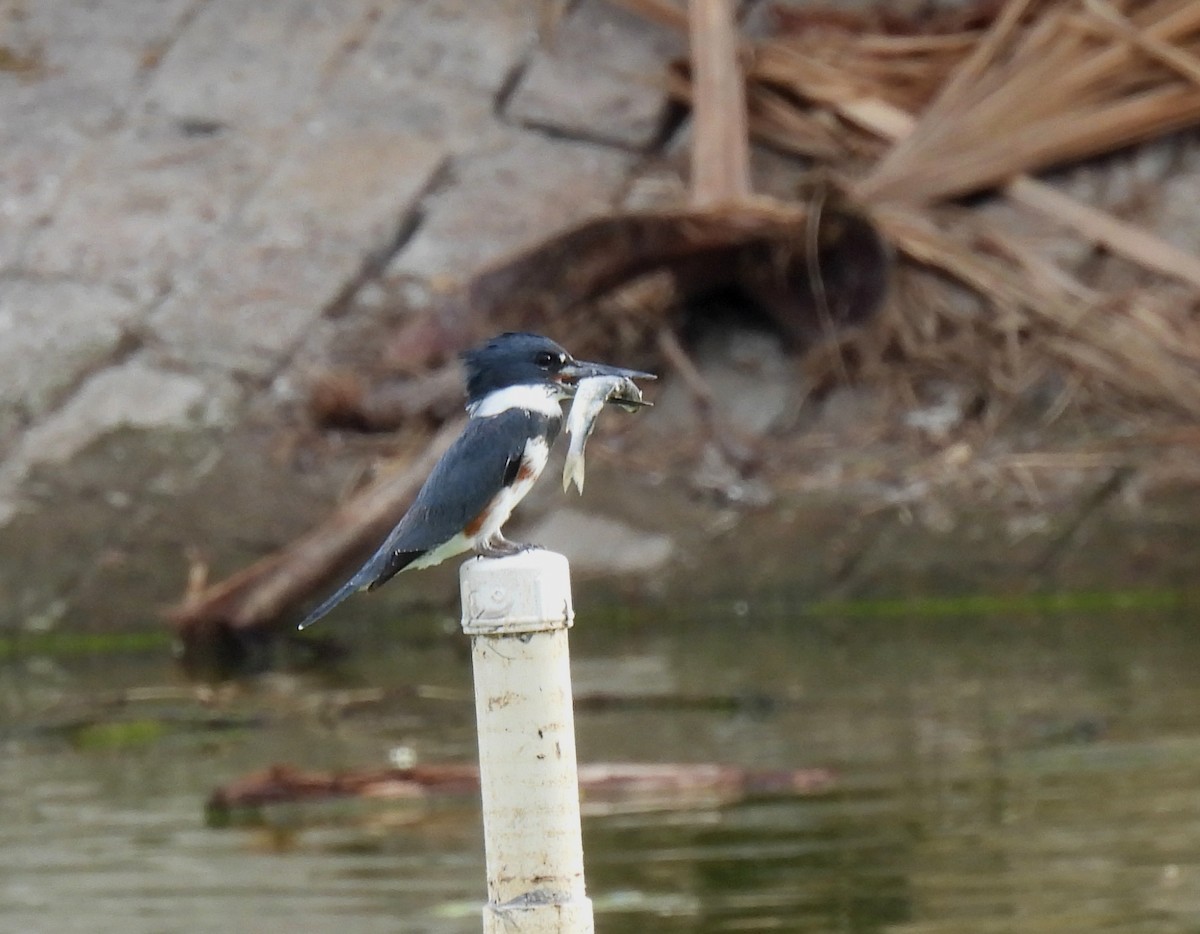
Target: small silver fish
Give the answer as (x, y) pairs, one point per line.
(590, 395)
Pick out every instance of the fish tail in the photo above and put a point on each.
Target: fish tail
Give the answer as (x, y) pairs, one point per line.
(573, 470)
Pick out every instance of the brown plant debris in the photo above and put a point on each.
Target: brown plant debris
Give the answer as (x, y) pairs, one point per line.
(908, 115)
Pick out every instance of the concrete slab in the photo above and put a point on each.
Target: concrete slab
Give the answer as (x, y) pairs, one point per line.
(376, 90)
(79, 66)
(51, 334)
(255, 65)
(517, 189)
(36, 157)
(454, 42)
(342, 188)
(135, 394)
(434, 68)
(612, 63)
(144, 204)
(335, 200)
(89, 57)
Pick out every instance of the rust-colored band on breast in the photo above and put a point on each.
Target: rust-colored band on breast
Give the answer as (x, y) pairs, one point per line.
(472, 528)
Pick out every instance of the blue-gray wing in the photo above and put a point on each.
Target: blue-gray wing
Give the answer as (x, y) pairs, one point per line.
(480, 462)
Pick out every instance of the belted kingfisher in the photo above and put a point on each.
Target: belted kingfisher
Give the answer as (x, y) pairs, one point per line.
(516, 383)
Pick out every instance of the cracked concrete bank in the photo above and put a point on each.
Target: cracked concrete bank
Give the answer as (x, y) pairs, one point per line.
(187, 187)
(200, 204)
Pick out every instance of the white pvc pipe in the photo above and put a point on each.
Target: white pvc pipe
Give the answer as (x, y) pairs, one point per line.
(517, 611)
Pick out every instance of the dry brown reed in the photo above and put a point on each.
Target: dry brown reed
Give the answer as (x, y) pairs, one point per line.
(908, 118)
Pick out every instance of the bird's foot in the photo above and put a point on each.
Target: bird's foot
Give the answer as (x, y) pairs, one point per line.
(500, 547)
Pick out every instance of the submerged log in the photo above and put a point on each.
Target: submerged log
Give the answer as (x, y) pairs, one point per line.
(605, 786)
(265, 592)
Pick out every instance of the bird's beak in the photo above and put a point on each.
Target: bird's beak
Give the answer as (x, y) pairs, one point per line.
(570, 375)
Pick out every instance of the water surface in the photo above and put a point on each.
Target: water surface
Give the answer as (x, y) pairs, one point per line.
(1012, 771)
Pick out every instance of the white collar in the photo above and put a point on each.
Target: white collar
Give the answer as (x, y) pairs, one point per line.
(538, 397)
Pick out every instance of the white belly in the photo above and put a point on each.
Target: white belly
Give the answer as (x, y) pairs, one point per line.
(533, 462)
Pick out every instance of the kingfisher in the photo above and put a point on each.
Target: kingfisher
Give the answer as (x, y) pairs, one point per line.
(516, 383)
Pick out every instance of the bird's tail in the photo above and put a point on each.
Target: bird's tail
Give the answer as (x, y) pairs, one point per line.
(383, 565)
(332, 600)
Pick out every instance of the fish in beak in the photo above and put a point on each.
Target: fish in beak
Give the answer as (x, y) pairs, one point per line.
(576, 370)
(591, 393)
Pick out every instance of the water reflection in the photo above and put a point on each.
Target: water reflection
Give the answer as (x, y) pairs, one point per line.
(1007, 773)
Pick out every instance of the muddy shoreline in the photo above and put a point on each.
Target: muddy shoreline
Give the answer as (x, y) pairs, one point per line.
(109, 540)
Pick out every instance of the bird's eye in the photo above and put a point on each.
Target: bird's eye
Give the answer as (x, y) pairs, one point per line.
(544, 358)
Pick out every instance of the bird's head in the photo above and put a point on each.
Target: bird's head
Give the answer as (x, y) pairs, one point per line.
(521, 359)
